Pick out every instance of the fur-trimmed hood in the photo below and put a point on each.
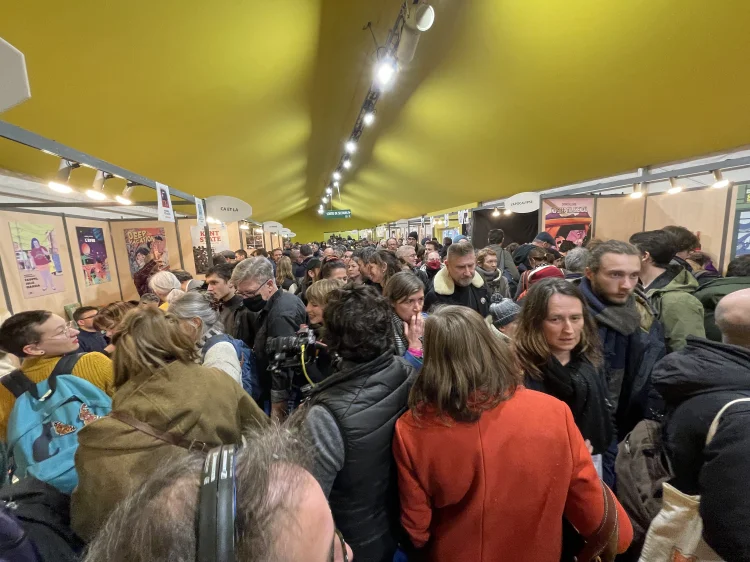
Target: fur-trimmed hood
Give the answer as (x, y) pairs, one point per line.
(444, 285)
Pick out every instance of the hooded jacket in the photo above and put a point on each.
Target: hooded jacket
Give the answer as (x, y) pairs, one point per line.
(495, 282)
(633, 341)
(695, 384)
(709, 296)
(445, 291)
(671, 295)
(184, 399)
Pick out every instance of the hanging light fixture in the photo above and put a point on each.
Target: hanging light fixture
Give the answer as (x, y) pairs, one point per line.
(60, 183)
(244, 226)
(329, 190)
(351, 147)
(637, 190)
(496, 212)
(419, 19)
(720, 181)
(320, 211)
(347, 164)
(97, 190)
(507, 212)
(336, 184)
(325, 199)
(124, 199)
(385, 72)
(369, 118)
(676, 188)
(336, 175)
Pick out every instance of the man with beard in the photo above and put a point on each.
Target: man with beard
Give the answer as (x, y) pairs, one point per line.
(280, 314)
(459, 283)
(631, 336)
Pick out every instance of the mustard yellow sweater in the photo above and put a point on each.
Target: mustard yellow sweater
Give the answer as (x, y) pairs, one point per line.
(93, 367)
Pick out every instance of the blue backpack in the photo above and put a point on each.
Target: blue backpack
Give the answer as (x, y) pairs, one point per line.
(45, 420)
(250, 381)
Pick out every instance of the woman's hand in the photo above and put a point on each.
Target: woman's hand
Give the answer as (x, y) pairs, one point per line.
(414, 331)
(590, 447)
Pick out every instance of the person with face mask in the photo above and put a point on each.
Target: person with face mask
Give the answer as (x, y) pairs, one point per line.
(281, 314)
(432, 265)
(459, 283)
(41, 339)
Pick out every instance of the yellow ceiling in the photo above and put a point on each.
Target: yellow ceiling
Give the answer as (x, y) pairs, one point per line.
(254, 99)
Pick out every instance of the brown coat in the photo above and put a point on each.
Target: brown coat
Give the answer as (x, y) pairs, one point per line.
(185, 399)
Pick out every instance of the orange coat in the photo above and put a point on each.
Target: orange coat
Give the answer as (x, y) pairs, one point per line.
(497, 489)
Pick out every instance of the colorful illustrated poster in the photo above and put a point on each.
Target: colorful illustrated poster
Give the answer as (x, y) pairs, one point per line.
(142, 242)
(93, 255)
(38, 259)
(219, 243)
(742, 246)
(569, 218)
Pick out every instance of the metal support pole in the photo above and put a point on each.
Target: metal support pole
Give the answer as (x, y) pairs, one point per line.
(207, 230)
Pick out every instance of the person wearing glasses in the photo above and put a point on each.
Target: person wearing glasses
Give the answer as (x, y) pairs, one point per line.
(40, 338)
(280, 314)
(89, 338)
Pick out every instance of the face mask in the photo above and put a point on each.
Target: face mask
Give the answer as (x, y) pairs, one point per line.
(254, 304)
(433, 264)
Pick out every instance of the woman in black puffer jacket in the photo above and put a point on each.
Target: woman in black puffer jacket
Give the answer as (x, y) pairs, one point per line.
(557, 345)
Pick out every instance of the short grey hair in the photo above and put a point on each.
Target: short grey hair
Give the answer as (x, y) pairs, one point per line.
(402, 250)
(166, 286)
(258, 269)
(197, 305)
(157, 522)
(460, 250)
(576, 260)
(339, 250)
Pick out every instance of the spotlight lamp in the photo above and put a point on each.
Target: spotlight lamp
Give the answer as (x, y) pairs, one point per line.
(720, 182)
(507, 212)
(60, 183)
(329, 190)
(320, 211)
(325, 199)
(351, 147)
(675, 187)
(385, 72)
(97, 190)
(336, 176)
(496, 212)
(347, 164)
(124, 199)
(244, 226)
(369, 118)
(638, 190)
(336, 184)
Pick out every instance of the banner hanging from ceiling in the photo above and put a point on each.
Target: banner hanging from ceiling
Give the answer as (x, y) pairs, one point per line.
(569, 218)
(164, 203)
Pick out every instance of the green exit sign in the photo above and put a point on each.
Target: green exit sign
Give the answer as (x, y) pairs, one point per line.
(340, 214)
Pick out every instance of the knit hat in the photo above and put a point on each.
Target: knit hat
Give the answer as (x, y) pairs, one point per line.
(504, 312)
(545, 237)
(414, 235)
(545, 272)
(458, 237)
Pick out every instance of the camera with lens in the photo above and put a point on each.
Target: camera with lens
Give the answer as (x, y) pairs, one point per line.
(285, 354)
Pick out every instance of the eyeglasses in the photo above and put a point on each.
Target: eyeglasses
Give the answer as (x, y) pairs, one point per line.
(89, 317)
(65, 330)
(251, 294)
(344, 553)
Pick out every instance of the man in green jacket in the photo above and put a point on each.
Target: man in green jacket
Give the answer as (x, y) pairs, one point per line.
(670, 288)
(709, 295)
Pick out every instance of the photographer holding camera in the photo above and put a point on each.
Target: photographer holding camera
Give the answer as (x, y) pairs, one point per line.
(281, 314)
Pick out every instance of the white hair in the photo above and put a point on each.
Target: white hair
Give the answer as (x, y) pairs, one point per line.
(256, 269)
(166, 286)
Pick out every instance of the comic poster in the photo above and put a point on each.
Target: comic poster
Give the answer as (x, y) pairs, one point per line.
(142, 244)
(219, 243)
(742, 246)
(93, 255)
(569, 218)
(38, 258)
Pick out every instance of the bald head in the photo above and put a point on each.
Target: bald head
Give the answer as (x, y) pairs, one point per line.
(733, 318)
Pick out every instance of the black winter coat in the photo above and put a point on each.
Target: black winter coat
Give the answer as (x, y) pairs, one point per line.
(445, 291)
(583, 389)
(695, 383)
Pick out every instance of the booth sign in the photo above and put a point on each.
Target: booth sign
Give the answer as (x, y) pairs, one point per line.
(227, 209)
(526, 202)
(338, 214)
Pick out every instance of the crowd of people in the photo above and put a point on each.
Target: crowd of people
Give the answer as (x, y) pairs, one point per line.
(399, 400)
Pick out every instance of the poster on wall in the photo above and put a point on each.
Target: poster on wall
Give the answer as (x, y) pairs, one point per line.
(93, 255)
(569, 218)
(140, 243)
(219, 243)
(742, 246)
(37, 258)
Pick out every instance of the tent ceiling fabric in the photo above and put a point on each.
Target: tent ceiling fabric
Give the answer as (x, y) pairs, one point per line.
(255, 99)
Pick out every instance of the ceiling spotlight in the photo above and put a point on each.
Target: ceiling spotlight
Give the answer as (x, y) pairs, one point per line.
(347, 164)
(124, 199)
(336, 176)
(496, 212)
(329, 190)
(369, 118)
(419, 19)
(676, 188)
(244, 226)
(320, 211)
(97, 191)
(336, 184)
(720, 181)
(325, 199)
(637, 190)
(507, 212)
(385, 72)
(351, 147)
(60, 183)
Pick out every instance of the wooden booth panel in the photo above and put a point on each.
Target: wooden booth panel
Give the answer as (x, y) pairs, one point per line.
(118, 234)
(92, 293)
(54, 302)
(186, 243)
(617, 218)
(701, 211)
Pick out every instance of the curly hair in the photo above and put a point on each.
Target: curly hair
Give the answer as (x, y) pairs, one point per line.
(358, 323)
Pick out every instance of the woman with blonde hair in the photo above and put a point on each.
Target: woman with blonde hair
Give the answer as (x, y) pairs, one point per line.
(165, 404)
(109, 318)
(167, 287)
(487, 468)
(284, 276)
(557, 345)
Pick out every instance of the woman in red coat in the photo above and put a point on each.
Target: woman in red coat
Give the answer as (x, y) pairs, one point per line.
(488, 469)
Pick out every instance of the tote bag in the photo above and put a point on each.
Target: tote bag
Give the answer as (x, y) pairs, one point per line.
(676, 534)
